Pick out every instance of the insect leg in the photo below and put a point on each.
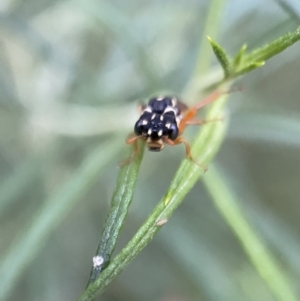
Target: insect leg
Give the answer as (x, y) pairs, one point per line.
(202, 121)
(134, 141)
(191, 113)
(180, 140)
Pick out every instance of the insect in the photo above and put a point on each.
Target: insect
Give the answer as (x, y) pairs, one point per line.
(163, 121)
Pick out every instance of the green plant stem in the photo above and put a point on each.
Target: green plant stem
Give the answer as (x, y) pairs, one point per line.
(14, 185)
(261, 258)
(120, 203)
(289, 9)
(32, 238)
(210, 28)
(246, 62)
(205, 54)
(204, 148)
(269, 50)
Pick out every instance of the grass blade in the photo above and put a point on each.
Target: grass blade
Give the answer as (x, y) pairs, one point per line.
(260, 257)
(32, 239)
(120, 203)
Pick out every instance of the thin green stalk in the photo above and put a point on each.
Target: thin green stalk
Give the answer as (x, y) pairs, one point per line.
(245, 62)
(289, 9)
(271, 49)
(205, 54)
(15, 184)
(204, 148)
(210, 28)
(120, 203)
(261, 258)
(26, 176)
(32, 239)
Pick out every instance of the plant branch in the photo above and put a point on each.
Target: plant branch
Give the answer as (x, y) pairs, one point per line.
(269, 50)
(245, 62)
(120, 203)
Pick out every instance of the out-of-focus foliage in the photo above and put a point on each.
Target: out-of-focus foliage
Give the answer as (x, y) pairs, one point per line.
(71, 76)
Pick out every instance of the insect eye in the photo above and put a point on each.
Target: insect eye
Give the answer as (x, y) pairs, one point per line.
(138, 128)
(152, 101)
(168, 101)
(173, 131)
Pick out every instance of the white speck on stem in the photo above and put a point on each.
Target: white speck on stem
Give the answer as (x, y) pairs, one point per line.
(161, 222)
(97, 261)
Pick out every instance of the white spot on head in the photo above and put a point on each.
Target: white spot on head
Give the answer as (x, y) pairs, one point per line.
(97, 261)
(153, 116)
(160, 133)
(144, 122)
(174, 102)
(168, 124)
(170, 109)
(161, 118)
(148, 109)
(149, 131)
(160, 98)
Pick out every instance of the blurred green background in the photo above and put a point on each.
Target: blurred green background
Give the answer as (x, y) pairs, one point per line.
(71, 76)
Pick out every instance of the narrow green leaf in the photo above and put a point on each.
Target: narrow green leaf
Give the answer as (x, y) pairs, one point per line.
(268, 51)
(261, 258)
(238, 58)
(248, 68)
(221, 56)
(244, 63)
(211, 27)
(16, 184)
(120, 203)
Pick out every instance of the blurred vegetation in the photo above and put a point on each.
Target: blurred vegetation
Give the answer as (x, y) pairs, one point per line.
(72, 74)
